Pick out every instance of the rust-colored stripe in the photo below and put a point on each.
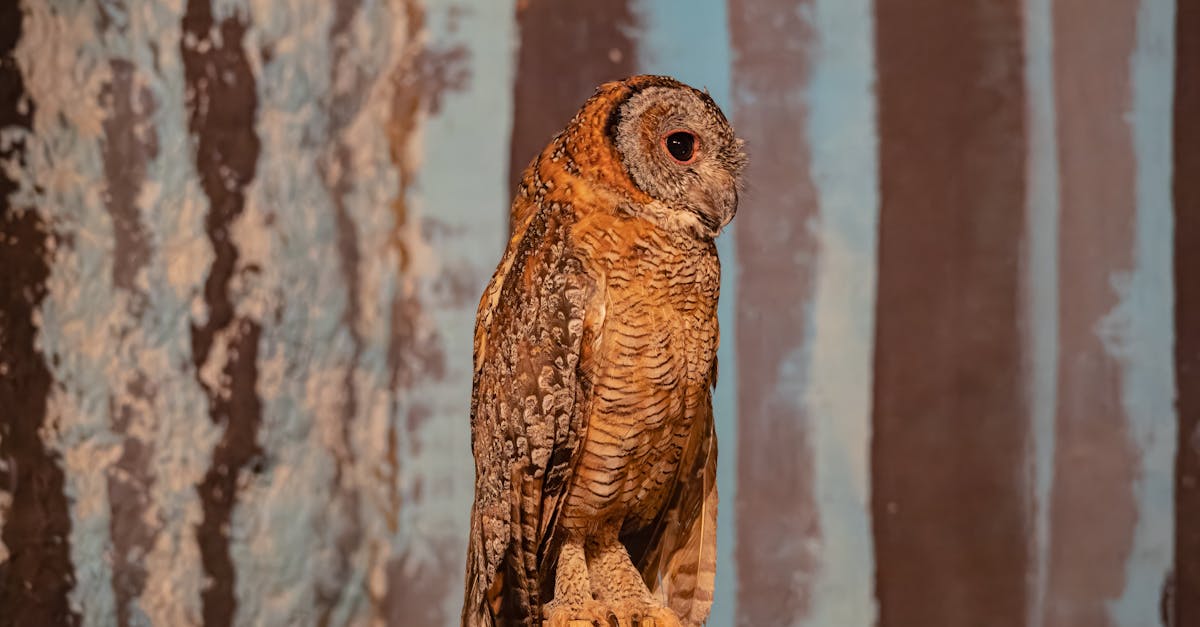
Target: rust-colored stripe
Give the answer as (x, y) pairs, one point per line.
(1092, 508)
(566, 50)
(1185, 600)
(37, 575)
(949, 502)
(222, 105)
(775, 507)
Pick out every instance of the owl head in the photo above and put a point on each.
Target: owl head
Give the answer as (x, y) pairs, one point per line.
(663, 147)
(678, 148)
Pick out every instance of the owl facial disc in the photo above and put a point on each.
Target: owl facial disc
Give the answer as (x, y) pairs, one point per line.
(679, 149)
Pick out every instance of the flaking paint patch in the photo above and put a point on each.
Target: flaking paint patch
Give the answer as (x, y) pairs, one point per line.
(369, 191)
(65, 68)
(307, 346)
(280, 540)
(172, 209)
(371, 187)
(1095, 512)
(1139, 332)
(128, 142)
(433, 489)
(346, 93)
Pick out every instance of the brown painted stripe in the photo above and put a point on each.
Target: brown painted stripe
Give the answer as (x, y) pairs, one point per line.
(1092, 507)
(129, 142)
(565, 50)
(222, 105)
(950, 420)
(37, 575)
(1186, 597)
(776, 509)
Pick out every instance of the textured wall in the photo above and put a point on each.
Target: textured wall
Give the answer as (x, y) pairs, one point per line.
(243, 241)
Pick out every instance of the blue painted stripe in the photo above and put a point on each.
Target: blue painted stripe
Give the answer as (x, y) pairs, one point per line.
(463, 200)
(1144, 318)
(1041, 287)
(690, 41)
(843, 143)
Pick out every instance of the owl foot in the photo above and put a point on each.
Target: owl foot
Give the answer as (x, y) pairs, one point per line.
(636, 613)
(588, 613)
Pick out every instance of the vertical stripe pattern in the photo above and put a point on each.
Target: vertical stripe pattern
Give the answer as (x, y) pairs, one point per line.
(242, 243)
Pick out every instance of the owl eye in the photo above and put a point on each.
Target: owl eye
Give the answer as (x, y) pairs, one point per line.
(681, 145)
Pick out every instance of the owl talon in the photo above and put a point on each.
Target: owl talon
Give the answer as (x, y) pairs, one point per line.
(585, 614)
(648, 615)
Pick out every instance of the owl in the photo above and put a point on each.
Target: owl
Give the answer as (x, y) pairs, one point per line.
(595, 360)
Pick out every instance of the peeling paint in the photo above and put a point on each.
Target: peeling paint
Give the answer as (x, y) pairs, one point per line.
(35, 539)
(65, 179)
(128, 143)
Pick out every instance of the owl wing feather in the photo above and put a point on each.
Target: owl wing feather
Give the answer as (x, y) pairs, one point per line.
(677, 553)
(527, 417)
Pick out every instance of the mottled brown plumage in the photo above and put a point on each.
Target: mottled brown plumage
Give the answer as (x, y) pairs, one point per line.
(595, 358)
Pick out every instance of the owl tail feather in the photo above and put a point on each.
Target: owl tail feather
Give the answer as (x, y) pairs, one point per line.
(689, 577)
(677, 554)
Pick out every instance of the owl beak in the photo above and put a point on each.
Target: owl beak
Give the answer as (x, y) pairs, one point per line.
(717, 207)
(732, 210)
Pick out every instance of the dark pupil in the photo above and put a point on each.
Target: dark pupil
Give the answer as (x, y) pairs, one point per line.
(681, 145)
